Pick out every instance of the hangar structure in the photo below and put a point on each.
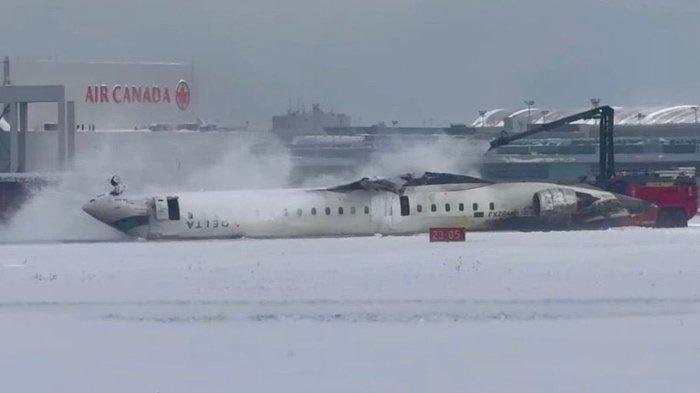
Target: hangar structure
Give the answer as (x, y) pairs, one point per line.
(111, 95)
(15, 101)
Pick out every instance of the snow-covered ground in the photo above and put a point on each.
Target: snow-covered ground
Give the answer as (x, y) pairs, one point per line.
(615, 310)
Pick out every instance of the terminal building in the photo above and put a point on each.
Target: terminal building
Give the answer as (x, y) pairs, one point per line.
(301, 122)
(644, 138)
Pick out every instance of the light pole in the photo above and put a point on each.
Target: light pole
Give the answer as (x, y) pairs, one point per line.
(482, 114)
(595, 102)
(695, 109)
(530, 104)
(544, 116)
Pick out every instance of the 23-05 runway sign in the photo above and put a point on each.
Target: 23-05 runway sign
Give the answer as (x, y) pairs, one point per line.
(447, 235)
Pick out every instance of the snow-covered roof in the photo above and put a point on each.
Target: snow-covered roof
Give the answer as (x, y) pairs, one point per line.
(675, 114)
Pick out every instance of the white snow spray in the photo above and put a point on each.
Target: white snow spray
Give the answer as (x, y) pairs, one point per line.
(399, 155)
(150, 163)
(215, 162)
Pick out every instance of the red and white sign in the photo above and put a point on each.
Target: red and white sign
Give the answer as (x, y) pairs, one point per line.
(182, 95)
(118, 94)
(447, 235)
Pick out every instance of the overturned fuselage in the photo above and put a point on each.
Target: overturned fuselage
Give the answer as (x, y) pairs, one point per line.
(405, 205)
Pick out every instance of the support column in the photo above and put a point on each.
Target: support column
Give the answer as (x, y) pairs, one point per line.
(22, 138)
(70, 127)
(11, 118)
(61, 135)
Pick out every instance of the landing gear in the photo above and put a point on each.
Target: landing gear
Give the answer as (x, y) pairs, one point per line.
(672, 218)
(117, 187)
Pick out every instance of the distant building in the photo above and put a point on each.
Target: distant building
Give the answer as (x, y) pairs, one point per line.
(309, 122)
(661, 117)
(112, 95)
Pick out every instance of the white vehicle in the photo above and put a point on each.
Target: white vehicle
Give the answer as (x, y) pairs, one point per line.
(406, 205)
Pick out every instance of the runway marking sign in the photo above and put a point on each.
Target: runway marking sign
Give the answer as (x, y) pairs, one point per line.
(447, 235)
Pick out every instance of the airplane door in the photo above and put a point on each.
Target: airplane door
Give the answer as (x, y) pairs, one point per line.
(393, 211)
(381, 220)
(161, 207)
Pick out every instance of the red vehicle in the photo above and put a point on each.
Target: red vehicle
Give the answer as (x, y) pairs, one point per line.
(673, 191)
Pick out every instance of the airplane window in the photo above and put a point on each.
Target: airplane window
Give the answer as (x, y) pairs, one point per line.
(433, 208)
(461, 207)
(340, 211)
(492, 206)
(447, 207)
(366, 209)
(352, 209)
(313, 211)
(475, 206)
(419, 208)
(299, 212)
(286, 213)
(328, 211)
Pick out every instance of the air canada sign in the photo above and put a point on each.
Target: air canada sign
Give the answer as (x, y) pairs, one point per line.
(130, 94)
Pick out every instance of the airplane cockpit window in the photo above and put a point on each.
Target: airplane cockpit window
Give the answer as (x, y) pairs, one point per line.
(328, 211)
(447, 207)
(173, 208)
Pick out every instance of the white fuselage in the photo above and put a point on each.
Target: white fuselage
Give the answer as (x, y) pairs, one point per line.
(309, 213)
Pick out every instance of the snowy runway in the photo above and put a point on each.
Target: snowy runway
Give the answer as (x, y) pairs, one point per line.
(566, 311)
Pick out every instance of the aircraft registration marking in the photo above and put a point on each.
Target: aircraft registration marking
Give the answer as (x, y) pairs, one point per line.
(503, 213)
(205, 224)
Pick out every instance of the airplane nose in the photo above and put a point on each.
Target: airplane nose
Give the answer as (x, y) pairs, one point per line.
(118, 212)
(90, 208)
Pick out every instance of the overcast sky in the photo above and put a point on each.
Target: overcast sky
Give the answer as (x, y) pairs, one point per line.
(377, 60)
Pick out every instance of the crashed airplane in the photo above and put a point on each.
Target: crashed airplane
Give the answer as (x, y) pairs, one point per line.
(405, 205)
